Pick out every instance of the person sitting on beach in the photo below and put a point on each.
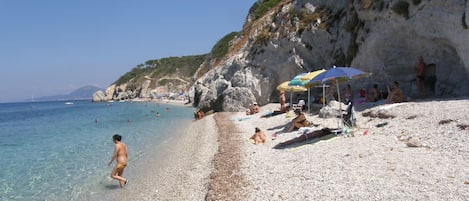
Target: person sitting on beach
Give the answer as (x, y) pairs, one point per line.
(253, 109)
(304, 137)
(258, 137)
(299, 121)
(395, 95)
(374, 94)
(348, 94)
(330, 93)
(198, 114)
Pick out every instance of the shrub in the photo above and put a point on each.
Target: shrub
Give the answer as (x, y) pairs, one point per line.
(260, 9)
(163, 82)
(221, 48)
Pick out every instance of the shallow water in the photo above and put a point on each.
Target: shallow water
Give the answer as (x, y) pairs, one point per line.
(54, 151)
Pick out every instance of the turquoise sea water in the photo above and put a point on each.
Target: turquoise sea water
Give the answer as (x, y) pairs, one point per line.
(55, 151)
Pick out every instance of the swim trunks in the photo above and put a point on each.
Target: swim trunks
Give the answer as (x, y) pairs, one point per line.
(120, 166)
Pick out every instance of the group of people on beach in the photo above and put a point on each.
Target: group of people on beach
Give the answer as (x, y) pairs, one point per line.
(299, 121)
(393, 94)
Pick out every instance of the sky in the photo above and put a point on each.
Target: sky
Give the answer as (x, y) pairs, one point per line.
(52, 47)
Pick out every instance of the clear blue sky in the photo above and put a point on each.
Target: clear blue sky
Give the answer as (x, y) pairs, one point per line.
(52, 47)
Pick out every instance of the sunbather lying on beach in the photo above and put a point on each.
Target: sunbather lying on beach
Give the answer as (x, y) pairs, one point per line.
(304, 137)
(258, 137)
(276, 112)
(299, 121)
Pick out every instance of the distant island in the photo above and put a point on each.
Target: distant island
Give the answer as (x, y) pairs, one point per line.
(82, 93)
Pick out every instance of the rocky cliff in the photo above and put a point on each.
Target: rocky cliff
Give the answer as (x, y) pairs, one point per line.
(381, 37)
(282, 38)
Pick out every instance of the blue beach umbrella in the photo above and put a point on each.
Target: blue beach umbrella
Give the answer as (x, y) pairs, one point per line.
(338, 74)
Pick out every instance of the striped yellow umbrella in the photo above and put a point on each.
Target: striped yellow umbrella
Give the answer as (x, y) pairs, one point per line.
(287, 88)
(304, 81)
(311, 75)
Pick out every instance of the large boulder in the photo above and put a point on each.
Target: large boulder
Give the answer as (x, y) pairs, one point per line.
(110, 92)
(98, 96)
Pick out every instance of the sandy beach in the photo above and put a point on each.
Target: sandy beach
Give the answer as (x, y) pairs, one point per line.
(406, 151)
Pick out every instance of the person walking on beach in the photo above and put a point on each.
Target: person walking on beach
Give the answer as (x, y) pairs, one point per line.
(420, 75)
(120, 155)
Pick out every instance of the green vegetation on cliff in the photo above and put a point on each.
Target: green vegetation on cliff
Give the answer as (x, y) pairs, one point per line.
(221, 48)
(259, 9)
(185, 66)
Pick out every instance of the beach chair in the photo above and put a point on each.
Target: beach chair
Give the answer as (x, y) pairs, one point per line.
(299, 105)
(349, 117)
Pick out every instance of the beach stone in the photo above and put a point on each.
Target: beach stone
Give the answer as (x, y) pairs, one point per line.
(414, 142)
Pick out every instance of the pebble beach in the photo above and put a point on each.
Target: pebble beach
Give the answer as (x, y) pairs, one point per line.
(406, 151)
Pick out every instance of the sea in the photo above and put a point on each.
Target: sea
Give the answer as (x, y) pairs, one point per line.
(60, 150)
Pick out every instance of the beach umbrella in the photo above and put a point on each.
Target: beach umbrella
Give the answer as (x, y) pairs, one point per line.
(337, 74)
(311, 75)
(303, 79)
(292, 89)
(306, 78)
(296, 81)
(287, 88)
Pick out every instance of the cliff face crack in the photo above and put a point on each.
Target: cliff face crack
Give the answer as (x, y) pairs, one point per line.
(226, 181)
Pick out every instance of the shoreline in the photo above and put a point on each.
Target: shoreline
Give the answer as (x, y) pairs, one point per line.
(212, 159)
(180, 172)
